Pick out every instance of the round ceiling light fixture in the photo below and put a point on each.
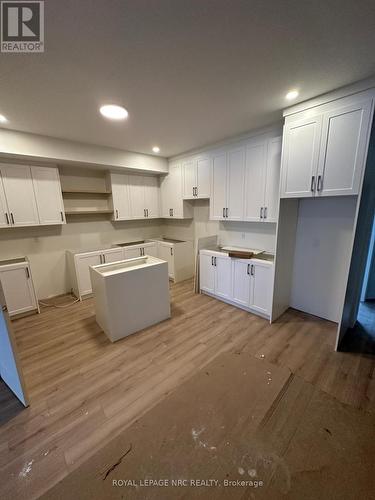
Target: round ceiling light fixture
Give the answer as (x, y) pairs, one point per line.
(114, 112)
(156, 149)
(292, 94)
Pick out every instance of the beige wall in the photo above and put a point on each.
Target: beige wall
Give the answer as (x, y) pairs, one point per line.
(45, 246)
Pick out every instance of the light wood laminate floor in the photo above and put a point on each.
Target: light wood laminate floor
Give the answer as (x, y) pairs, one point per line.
(84, 390)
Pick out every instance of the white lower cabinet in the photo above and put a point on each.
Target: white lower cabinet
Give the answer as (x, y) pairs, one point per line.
(18, 287)
(166, 253)
(246, 283)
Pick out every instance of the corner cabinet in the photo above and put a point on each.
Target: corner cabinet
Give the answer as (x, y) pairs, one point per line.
(171, 186)
(134, 196)
(246, 283)
(325, 148)
(30, 196)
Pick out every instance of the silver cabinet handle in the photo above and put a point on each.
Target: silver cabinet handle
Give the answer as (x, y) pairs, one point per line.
(116, 214)
(312, 186)
(215, 261)
(62, 216)
(248, 269)
(27, 272)
(172, 211)
(103, 258)
(226, 212)
(261, 213)
(252, 273)
(12, 218)
(171, 251)
(147, 211)
(223, 213)
(7, 218)
(212, 260)
(319, 186)
(265, 213)
(144, 212)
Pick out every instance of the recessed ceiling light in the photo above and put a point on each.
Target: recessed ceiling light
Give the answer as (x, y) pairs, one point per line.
(156, 149)
(114, 112)
(3, 119)
(292, 94)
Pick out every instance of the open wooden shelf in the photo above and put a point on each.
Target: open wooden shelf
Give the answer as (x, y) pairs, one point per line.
(87, 191)
(89, 211)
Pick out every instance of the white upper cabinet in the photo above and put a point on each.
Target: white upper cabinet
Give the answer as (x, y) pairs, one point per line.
(120, 196)
(196, 178)
(272, 180)
(189, 169)
(235, 184)
(20, 196)
(203, 184)
(171, 194)
(325, 148)
(300, 157)
(48, 195)
(256, 163)
(137, 196)
(152, 197)
(4, 211)
(218, 200)
(227, 193)
(343, 149)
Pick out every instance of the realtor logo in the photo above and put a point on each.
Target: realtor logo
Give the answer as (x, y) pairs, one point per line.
(22, 26)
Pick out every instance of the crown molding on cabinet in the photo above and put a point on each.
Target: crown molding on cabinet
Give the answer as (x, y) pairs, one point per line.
(347, 90)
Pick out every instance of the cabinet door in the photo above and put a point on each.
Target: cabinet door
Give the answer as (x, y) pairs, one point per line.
(166, 195)
(223, 277)
(113, 255)
(137, 196)
(241, 282)
(272, 184)
(132, 252)
(18, 289)
(83, 263)
(176, 202)
(48, 195)
(151, 186)
(165, 252)
(120, 196)
(300, 157)
(151, 249)
(261, 288)
(256, 163)
(189, 172)
(19, 192)
(343, 152)
(4, 212)
(206, 273)
(235, 184)
(218, 201)
(203, 178)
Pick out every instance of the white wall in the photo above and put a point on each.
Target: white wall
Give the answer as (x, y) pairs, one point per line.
(21, 145)
(45, 246)
(322, 253)
(247, 234)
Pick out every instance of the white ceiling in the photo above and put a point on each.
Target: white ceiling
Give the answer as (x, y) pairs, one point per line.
(190, 72)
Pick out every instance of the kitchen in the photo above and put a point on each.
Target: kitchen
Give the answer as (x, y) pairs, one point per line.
(162, 279)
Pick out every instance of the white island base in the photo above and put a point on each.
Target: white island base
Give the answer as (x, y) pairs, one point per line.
(130, 295)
